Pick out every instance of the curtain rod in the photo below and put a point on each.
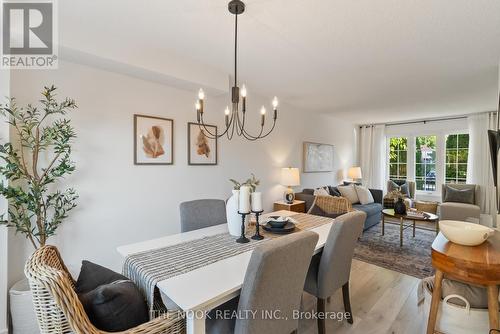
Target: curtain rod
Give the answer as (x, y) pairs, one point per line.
(424, 121)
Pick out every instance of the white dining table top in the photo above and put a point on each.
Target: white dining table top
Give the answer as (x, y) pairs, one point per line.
(209, 286)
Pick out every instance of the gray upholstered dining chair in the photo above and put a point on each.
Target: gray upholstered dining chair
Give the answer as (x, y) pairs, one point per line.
(273, 285)
(331, 269)
(202, 213)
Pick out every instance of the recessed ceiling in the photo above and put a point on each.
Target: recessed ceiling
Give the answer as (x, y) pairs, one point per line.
(363, 60)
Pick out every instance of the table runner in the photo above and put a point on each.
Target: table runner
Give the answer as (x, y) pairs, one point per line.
(148, 268)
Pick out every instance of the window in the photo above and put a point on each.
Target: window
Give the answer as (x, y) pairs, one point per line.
(425, 162)
(398, 149)
(457, 152)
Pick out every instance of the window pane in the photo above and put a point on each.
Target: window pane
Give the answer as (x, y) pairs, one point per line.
(393, 156)
(462, 171)
(402, 170)
(451, 141)
(451, 156)
(451, 170)
(393, 169)
(462, 155)
(463, 140)
(419, 170)
(402, 156)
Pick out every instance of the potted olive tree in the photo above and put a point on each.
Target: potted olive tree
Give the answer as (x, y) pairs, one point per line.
(36, 158)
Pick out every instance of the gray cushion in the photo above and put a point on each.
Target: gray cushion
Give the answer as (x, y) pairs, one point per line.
(369, 209)
(459, 195)
(400, 185)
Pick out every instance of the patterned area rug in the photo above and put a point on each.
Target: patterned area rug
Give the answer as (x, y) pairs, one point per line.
(413, 259)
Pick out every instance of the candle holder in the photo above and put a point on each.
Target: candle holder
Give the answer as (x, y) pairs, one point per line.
(243, 239)
(257, 235)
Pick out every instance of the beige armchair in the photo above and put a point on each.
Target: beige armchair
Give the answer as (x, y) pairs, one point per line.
(460, 211)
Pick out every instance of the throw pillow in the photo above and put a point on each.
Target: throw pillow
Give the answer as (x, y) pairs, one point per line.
(391, 186)
(364, 195)
(349, 192)
(459, 195)
(115, 306)
(334, 191)
(92, 275)
(321, 192)
(405, 189)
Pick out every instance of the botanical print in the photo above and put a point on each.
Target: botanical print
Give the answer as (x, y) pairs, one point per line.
(202, 144)
(318, 157)
(202, 147)
(153, 140)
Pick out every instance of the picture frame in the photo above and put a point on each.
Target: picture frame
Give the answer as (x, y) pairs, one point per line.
(317, 157)
(153, 140)
(202, 150)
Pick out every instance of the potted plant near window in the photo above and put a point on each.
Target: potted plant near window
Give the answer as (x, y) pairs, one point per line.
(36, 207)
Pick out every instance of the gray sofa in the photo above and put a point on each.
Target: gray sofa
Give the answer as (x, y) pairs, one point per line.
(373, 210)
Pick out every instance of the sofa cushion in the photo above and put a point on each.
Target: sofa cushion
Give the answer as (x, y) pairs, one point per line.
(459, 195)
(308, 191)
(349, 192)
(370, 209)
(115, 306)
(322, 191)
(364, 195)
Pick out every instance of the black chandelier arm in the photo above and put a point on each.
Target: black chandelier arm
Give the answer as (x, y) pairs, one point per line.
(260, 136)
(208, 133)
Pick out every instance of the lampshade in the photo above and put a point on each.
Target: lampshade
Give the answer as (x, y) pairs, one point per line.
(290, 177)
(355, 173)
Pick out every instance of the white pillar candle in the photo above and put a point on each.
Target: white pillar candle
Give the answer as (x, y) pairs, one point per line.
(244, 199)
(256, 201)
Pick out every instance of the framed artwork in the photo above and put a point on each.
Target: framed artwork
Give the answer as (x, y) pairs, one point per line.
(153, 140)
(318, 157)
(202, 150)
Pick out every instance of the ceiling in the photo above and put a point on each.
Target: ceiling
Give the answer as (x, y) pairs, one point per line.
(362, 60)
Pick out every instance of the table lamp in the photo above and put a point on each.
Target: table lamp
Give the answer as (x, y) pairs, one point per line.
(354, 173)
(290, 177)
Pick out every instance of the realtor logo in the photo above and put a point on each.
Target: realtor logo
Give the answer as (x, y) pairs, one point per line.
(28, 35)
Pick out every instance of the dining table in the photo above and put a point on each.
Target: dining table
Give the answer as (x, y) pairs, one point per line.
(198, 291)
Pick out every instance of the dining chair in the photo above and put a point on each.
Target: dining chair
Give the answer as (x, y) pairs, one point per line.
(272, 288)
(202, 213)
(331, 269)
(58, 309)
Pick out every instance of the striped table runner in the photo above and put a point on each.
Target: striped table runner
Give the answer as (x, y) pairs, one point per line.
(148, 268)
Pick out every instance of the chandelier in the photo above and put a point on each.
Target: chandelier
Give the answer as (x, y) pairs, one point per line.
(234, 118)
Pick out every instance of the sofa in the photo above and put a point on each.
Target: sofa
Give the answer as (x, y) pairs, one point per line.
(373, 210)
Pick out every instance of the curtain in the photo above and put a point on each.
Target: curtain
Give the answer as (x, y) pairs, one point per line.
(479, 162)
(372, 155)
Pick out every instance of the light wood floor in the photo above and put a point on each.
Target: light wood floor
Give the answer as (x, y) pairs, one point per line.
(383, 301)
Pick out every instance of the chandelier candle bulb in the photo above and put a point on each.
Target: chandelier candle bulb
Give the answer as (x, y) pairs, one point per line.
(263, 115)
(226, 113)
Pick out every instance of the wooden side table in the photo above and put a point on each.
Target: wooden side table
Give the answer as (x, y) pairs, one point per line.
(296, 206)
(479, 265)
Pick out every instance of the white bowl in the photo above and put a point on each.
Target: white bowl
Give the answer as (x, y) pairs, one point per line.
(462, 233)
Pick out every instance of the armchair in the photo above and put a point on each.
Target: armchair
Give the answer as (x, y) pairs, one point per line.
(457, 210)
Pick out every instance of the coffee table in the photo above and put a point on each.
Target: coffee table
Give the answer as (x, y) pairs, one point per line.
(389, 213)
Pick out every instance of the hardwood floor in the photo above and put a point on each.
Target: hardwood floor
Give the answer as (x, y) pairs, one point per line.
(383, 301)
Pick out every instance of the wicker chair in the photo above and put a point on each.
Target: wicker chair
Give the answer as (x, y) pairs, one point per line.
(331, 205)
(58, 308)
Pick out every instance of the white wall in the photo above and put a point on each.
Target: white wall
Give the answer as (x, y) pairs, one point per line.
(121, 203)
(4, 135)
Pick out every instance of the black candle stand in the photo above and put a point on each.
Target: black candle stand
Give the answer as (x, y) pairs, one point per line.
(257, 235)
(243, 239)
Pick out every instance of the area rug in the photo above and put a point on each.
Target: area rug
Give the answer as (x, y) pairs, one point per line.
(413, 259)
